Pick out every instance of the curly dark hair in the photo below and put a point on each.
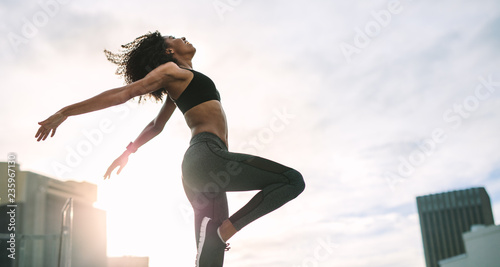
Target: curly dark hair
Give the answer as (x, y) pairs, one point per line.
(139, 57)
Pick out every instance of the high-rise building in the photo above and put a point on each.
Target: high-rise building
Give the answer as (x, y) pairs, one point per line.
(31, 221)
(444, 217)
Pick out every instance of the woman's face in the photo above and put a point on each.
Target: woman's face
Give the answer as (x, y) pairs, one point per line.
(179, 45)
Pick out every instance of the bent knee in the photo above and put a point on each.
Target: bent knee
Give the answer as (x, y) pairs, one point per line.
(296, 180)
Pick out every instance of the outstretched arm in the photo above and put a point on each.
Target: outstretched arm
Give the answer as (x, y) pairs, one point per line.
(152, 129)
(155, 80)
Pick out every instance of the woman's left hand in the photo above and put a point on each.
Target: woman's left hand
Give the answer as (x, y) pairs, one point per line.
(49, 125)
(120, 161)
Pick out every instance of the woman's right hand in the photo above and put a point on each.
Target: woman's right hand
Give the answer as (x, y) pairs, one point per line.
(49, 126)
(120, 161)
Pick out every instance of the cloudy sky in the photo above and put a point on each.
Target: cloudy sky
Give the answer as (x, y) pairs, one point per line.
(375, 102)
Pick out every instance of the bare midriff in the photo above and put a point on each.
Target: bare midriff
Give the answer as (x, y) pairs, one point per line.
(208, 117)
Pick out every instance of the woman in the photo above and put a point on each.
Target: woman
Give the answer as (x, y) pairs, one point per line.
(158, 67)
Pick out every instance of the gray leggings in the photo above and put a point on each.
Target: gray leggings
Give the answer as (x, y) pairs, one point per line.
(209, 170)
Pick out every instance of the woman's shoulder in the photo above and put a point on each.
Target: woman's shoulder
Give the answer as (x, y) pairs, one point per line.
(169, 67)
(173, 70)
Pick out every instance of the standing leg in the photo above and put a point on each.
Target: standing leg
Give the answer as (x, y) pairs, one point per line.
(208, 205)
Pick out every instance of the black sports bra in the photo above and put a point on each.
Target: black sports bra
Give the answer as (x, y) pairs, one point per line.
(201, 89)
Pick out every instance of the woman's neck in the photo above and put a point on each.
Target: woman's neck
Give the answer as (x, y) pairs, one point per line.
(185, 63)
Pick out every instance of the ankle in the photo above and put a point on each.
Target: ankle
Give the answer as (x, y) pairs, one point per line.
(226, 230)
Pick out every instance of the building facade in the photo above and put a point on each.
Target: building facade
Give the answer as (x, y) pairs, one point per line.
(482, 247)
(35, 220)
(444, 217)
